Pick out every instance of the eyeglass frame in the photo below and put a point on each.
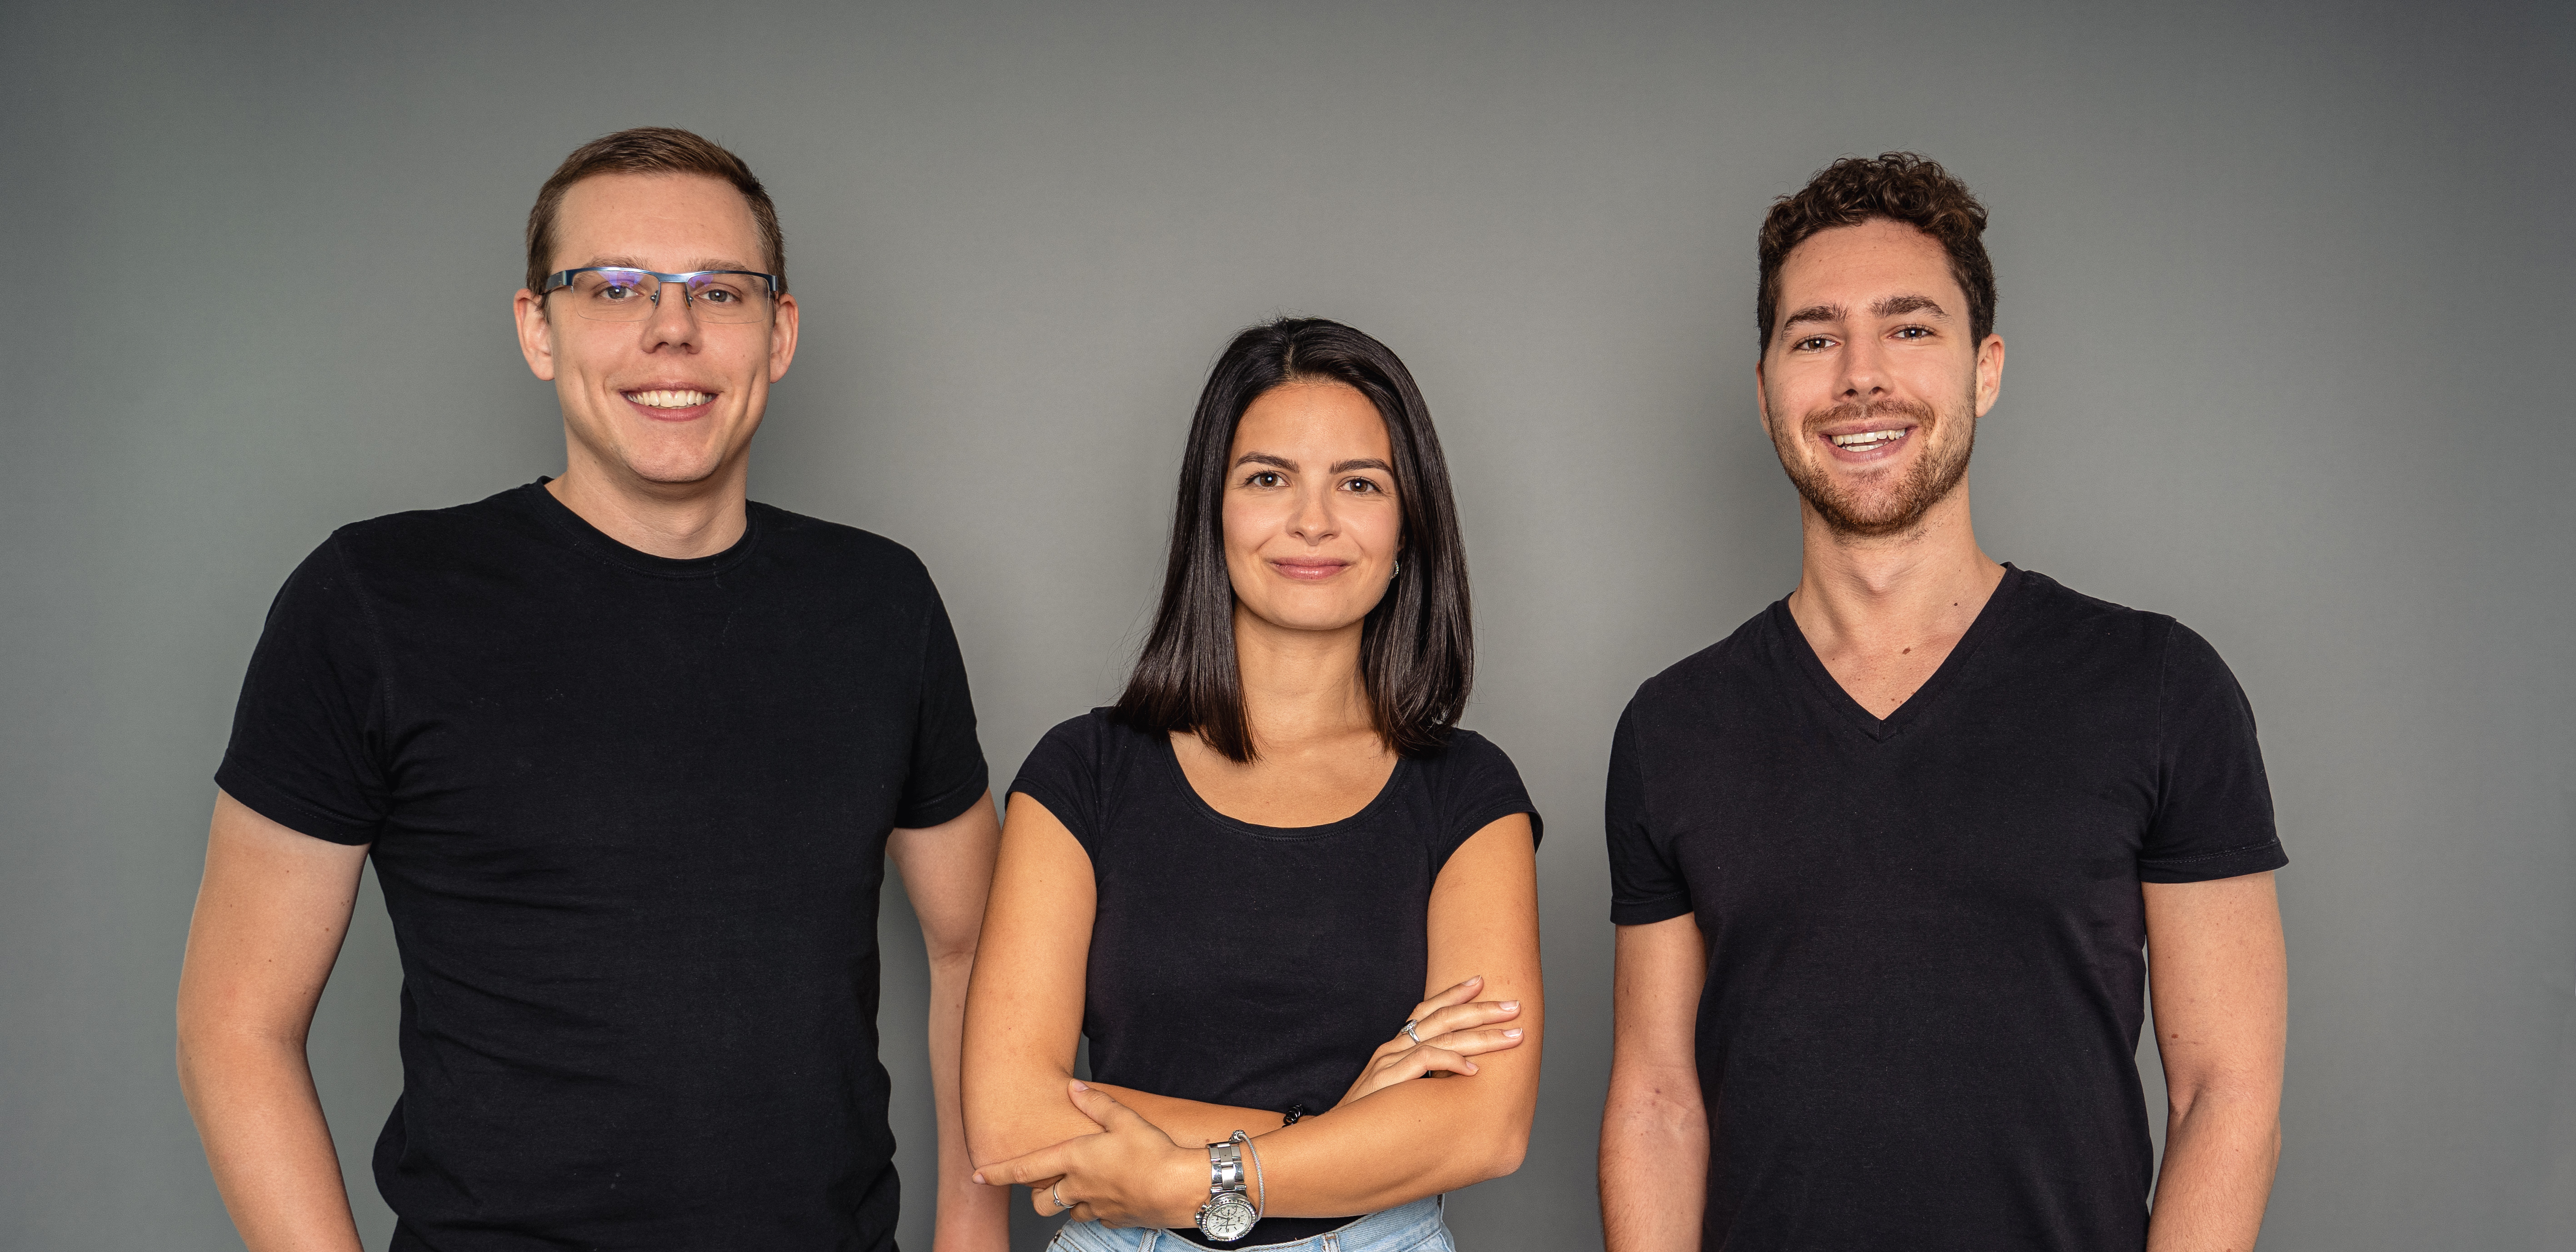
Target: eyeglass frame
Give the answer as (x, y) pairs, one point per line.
(562, 279)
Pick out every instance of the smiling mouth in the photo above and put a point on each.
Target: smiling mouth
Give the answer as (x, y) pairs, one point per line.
(1869, 440)
(1309, 571)
(670, 399)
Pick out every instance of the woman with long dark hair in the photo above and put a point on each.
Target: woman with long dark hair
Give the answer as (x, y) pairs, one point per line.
(1276, 886)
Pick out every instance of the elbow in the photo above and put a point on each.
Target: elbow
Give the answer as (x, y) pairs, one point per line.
(988, 1138)
(976, 1118)
(999, 1113)
(1509, 1153)
(1506, 1145)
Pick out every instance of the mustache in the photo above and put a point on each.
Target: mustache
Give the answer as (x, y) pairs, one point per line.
(1919, 413)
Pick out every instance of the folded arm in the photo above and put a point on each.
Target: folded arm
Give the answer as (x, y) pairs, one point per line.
(1397, 1143)
(271, 912)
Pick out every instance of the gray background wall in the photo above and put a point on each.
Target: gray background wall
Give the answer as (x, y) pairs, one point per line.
(2286, 288)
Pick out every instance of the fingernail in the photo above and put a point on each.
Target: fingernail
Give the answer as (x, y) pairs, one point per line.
(1080, 1085)
(1471, 1067)
(1511, 1005)
(1512, 1034)
(979, 1175)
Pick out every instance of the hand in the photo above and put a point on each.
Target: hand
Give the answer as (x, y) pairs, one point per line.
(1452, 1029)
(1129, 1174)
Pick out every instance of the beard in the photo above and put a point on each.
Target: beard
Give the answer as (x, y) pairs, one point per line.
(1935, 473)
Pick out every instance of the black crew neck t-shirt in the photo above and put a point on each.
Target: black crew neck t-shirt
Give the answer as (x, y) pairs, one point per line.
(1925, 966)
(1255, 966)
(629, 815)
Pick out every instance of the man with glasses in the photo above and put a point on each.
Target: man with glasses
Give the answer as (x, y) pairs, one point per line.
(629, 753)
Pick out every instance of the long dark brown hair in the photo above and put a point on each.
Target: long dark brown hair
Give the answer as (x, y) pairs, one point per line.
(1417, 653)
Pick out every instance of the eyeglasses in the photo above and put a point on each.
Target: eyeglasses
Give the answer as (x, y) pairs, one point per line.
(614, 293)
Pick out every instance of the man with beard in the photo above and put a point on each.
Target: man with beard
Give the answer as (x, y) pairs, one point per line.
(1884, 860)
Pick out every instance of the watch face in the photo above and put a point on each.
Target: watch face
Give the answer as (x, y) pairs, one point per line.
(1226, 1218)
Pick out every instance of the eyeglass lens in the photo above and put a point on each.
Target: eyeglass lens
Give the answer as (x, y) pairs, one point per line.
(621, 295)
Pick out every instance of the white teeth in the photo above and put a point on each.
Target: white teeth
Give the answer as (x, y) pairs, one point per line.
(669, 399)
(1867, 438)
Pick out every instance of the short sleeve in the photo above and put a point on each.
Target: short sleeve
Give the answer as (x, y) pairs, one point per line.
(947, 773)
(1645, 886)
(308, 748)
(2213, 814)
(1063, 773)
(1480, 786)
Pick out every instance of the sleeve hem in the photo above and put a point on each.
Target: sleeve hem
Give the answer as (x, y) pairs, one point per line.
(2234, 863)
(947, 805)
(1057, 806)
(1648, 912)
(277, 806)
(1497, 812)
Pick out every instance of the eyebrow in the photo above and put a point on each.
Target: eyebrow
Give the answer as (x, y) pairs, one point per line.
(1813, 313)
(703, 264)
(1339, 467)
(1891, 306)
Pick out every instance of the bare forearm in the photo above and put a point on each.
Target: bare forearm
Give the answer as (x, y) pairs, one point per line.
(270, 1150)
(1037, 1115)
(1654, 1164)
(2220, 1151)
(971, 1218)
(1421, 1138)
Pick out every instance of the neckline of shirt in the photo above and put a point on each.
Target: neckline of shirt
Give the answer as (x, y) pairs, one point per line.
(1171, 760)
(592, 539)
(1870, 724)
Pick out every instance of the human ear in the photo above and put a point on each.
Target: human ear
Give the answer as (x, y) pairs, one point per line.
(1761, 399)
(536, 334)
(1990, 372)
(782, 337)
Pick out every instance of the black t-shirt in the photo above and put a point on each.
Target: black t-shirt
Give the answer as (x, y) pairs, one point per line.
(1255, 966)
(1925, 969)
(629, 814)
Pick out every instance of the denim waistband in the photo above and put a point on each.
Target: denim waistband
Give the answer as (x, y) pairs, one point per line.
(1399, 1229)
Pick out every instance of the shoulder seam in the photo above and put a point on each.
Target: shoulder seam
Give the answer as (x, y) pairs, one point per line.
(375, 625)
(2164, 677)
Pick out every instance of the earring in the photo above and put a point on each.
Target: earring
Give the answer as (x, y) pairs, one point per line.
(1394, 567)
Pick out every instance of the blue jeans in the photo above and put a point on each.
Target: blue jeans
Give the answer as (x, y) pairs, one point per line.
(1414, 1227)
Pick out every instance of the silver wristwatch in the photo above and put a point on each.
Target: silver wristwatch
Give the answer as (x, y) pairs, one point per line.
(1228, 1214)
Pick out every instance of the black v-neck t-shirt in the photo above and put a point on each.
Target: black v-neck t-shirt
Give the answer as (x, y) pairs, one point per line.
(1925, 933)
(1246, 965)
(629, 814)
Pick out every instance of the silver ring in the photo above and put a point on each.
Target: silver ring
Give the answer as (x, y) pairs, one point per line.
(1407, 1032)
(1057, 1196)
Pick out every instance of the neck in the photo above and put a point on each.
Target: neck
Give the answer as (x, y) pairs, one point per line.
(678, 520)
(1928, 581)
(1299, 685)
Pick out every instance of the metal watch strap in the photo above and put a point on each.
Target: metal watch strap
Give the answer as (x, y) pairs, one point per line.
(1229, 1214)
(1225, 1168)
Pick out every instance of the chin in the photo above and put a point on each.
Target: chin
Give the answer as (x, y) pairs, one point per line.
(1312, 617)
(674, 471)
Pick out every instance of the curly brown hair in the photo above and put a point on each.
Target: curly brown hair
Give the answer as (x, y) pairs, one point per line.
(650, 150)
(1901, 186)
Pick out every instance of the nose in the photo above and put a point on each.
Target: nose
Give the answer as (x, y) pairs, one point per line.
(1314, 521)
(673, 324)
(1864, 368)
